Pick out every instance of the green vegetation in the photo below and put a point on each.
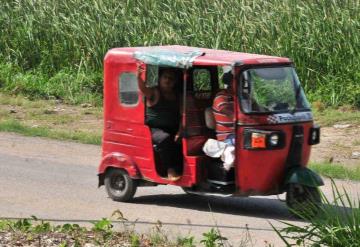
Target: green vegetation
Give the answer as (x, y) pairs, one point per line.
(336, 171)
(17, 127)
(337, 224)
(66, 84)
(213, 238)
(26, 232)
(342, 115)
(56, 48)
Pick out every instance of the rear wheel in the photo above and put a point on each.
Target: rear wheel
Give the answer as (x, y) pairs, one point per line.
(119, 186)
(304, 201)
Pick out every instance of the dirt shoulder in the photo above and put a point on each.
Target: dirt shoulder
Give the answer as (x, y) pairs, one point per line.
(51, 118)
(338, 145)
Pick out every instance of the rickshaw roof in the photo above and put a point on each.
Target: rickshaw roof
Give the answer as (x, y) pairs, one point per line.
(186, 56)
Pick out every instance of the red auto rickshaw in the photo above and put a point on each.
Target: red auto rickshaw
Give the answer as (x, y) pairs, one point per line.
(274, 128)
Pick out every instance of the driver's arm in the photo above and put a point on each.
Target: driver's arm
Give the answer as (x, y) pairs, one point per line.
(148, 92)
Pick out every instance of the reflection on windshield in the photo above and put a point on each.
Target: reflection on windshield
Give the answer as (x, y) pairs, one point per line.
(272, 90)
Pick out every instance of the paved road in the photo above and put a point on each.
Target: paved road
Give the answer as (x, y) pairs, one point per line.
(57, 180)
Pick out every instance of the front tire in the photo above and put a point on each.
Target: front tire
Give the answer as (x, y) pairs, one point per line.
(303, 201)
(119, 186)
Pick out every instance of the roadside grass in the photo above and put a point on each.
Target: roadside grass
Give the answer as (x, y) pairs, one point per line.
(79, 136)
(19, 100)
(336, 171)
(26, 232)
(341, 115)
(52, 119)
(337, 223)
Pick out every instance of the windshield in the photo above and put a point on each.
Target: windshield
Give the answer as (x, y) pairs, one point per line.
(271, 90)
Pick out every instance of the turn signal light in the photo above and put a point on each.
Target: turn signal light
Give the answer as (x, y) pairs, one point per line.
(258, 140)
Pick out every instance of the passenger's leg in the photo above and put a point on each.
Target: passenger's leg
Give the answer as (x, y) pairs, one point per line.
(167, 150)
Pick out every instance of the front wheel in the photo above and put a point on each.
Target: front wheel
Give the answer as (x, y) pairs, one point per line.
(119, 186)
(304, 201)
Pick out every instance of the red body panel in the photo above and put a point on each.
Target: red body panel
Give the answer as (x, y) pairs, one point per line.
(119, 160)
(261, 172)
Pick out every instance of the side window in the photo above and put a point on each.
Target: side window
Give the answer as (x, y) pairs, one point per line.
(221, 71)
(202, 83)
(202, 80)
(128, 89)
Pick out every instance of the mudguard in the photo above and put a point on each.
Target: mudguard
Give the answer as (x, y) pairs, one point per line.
(303, 176)
(117, 160)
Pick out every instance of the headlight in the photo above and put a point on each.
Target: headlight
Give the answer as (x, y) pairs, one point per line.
(274, 139)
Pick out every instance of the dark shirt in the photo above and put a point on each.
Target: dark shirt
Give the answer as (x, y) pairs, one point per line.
(165, 114)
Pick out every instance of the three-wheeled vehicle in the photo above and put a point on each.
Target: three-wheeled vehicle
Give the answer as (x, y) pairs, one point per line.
(274, 127)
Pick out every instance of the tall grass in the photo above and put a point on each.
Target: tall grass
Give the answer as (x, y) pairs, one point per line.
(336, 225)
(322, 37)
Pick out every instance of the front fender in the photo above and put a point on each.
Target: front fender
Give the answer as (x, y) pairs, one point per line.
(303, 176)
(117, 160)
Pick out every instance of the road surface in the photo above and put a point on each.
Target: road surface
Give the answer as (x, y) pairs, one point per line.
(58, 180)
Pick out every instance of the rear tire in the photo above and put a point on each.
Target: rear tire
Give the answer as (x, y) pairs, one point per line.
(119, 186)
(303, 201)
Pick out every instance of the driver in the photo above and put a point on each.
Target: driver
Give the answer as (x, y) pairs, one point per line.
(223, 110)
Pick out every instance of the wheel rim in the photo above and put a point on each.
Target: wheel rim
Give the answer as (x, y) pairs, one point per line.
(302, 200)
(299, 194)
(118, 183)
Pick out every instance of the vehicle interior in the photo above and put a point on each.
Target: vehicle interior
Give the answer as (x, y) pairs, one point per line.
(202, 85)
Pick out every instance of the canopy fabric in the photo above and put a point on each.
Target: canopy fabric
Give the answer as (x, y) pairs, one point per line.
(164, 57)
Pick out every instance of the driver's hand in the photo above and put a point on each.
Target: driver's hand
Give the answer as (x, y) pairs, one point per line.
(140, 69)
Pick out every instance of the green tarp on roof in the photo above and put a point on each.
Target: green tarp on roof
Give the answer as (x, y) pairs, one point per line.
(163, 57)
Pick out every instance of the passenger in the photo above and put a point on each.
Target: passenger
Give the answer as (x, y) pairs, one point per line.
(223, 110)
(163, 117)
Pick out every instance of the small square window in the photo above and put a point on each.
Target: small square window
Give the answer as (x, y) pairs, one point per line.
(202, 83)
(128, 89)
(202, 80)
